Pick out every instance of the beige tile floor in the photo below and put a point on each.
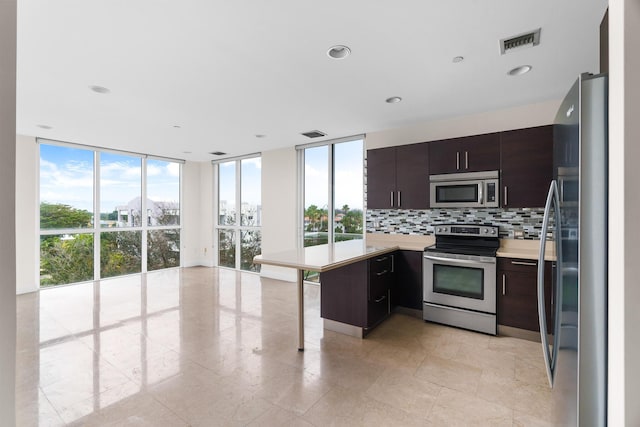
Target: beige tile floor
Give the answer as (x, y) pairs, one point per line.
(208, 347)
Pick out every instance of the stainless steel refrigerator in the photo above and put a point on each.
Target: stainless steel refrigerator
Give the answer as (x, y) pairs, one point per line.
(575, 350)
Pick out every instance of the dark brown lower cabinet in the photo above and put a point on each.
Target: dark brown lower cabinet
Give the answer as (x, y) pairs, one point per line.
(358, 294)
(407, 291)
(518, 296)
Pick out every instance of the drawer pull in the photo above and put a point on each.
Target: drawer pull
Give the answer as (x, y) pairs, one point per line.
(382, 272)
(382, 298)
(530, 264)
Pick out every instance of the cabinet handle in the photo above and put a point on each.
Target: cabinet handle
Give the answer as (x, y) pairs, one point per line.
(393, 263)
(391, 192)
(384, 258)
(506, 192)
(399, 200)
(504, 284)
(382, 298)
(466, 160)
(530, 264)
(382, 272)
(457, 160)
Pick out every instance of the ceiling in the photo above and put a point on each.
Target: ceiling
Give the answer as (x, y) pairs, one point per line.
(190, 77)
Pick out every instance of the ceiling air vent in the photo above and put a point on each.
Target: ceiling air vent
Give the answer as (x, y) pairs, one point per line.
(314, 134)
(217, 153)
(529, 39)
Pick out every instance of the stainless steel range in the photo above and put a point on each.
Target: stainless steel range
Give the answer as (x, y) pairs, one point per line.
(460, 277)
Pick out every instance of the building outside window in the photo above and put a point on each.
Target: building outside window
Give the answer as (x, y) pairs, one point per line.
(75, 244)
(239, 213)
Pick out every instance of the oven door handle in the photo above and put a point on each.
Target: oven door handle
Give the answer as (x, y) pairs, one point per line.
(458, 261)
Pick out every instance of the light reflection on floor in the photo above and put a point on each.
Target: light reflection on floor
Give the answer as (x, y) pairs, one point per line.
(206, 346)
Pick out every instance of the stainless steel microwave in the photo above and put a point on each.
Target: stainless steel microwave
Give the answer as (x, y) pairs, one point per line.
(465, 190)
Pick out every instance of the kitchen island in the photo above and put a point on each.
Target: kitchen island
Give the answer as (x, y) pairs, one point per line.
(321, 258)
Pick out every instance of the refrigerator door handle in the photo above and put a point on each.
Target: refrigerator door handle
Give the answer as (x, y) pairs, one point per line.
(549, 357)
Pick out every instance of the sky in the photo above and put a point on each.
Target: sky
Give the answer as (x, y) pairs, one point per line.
(348, 171)
(66, 176)
(250, 181)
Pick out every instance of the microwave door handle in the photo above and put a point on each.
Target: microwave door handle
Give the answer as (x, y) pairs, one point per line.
(481, 193)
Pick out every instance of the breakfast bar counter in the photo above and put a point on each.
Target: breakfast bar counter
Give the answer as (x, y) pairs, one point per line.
(320, 259)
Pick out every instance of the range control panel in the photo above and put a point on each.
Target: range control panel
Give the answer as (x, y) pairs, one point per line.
(465, 230)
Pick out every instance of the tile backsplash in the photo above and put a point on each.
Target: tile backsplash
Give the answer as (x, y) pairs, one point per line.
(525, 223)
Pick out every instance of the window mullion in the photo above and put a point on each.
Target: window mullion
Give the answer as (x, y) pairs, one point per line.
(330, 183)
(96, 215)
(144, 219)
(238, 213)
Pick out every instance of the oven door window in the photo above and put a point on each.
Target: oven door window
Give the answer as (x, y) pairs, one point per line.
(463, 193)
(465, 282)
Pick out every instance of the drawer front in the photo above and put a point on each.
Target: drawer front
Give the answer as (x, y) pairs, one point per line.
(518, 265)
(381, 264)
(380, 277)
(378, 309)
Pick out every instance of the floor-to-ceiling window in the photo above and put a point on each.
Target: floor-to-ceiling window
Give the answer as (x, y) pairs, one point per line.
(239, 212)
(333, 191)
(333, 184)
(137, 227)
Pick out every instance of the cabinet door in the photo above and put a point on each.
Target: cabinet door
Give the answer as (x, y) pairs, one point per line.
(344, 294)
(527, 166)
(518, 296)
(407, 290)
(381, 178)
(480, 153)
(444, 156)
(412, 176)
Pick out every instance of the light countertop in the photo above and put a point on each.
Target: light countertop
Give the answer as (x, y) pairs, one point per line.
(509, 248)
(325, 257)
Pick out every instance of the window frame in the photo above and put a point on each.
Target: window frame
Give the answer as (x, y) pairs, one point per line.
(237, 226)
(144, 228)
(330, 184)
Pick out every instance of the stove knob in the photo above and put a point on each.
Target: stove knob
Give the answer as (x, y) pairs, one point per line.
(486, 230)
(493, 231)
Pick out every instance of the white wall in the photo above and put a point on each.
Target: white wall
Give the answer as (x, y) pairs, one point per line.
(7, 225)
(197, 214)
(27, 277)
(624, 205)
(494, 121)
(279, 208)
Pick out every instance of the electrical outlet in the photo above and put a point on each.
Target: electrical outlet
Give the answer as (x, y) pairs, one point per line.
(518, 234)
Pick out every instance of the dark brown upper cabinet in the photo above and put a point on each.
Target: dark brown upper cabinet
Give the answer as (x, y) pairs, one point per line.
(527, 166)
(468, 154)
(398, 177)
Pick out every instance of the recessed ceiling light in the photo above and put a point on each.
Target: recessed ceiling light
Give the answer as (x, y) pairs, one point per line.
(393, 100)
(518, 71)
(458, 59)
(47, 127)
(217, 153)
(177, 126)
(261, 136)
(339, 52)
(99, 89)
